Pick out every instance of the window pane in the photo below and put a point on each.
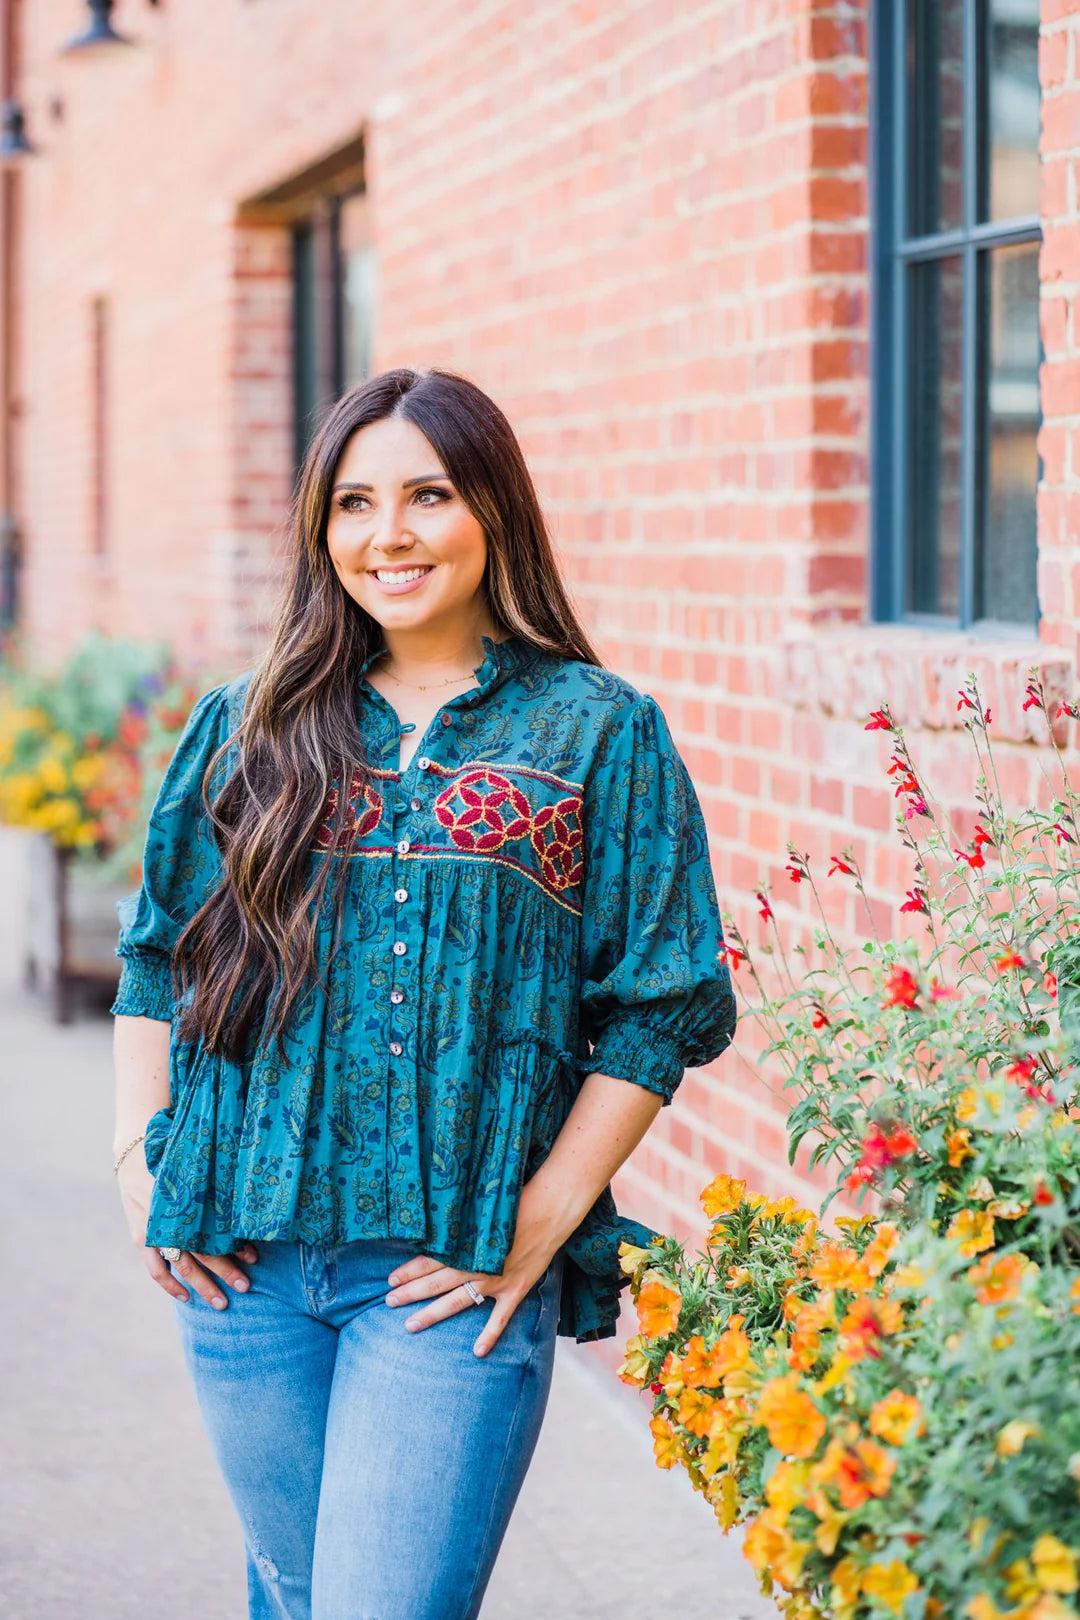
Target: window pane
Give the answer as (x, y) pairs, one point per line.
(357, 290)
(1009, 335)
(935, 115)
(934, 424)
(1012, 66)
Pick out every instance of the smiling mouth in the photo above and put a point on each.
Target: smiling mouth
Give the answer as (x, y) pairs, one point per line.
(401, 576)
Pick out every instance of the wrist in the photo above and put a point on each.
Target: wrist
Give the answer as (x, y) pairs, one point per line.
(556, 1208)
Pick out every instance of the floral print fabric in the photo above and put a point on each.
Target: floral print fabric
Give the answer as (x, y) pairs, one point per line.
(529, 901)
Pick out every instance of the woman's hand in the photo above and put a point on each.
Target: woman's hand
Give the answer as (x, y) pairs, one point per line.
(198, 1270)
(537, 1237)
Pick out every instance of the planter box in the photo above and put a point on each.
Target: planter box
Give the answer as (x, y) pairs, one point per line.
(71, 927)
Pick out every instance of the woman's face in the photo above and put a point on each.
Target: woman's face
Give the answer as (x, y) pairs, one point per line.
(404, 544)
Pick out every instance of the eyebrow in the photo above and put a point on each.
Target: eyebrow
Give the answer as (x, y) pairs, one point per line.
(407, 483)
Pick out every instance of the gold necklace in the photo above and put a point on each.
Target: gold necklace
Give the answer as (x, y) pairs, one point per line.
(427, 686)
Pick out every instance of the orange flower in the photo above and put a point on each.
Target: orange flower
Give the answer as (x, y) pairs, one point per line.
(658, 1308)
(876, 1256)
(957, 1144)
(804, 1349)
(858, 1471)
(722, 1195)
(665, 1442)
(866, 1322)
(837, 1266)
(896, 1417)
(794, 1423)
(901, 989)
(730, 1353)
(973, 1229)
(997, 1279)
(694, 1411)
(1008, 960)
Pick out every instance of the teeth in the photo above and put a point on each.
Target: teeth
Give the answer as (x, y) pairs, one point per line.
(398, 576)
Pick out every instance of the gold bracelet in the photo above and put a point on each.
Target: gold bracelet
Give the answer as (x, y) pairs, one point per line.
(133, 1143)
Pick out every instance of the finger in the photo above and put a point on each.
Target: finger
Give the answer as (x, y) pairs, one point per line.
(427, 1286)
(492, 1329)
(225, 1267)
(161, 1274)
(203, 1284)
(248, 1253)
(418, 1266)
(445, 1305)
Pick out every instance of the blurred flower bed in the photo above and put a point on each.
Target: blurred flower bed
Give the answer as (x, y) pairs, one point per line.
(890, 1401)
(83, 748)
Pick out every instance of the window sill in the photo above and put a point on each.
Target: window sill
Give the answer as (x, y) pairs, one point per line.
(849, 671)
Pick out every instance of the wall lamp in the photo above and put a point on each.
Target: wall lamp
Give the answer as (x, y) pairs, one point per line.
(99, 32)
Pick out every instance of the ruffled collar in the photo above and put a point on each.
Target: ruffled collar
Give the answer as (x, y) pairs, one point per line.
(501, 658)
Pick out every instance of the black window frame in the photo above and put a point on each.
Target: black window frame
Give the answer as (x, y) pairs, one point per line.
(893, 251)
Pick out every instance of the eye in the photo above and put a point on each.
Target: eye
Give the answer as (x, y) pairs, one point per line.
(349, 502)
(432, 489)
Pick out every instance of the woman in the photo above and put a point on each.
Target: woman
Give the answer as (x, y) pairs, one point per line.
(396, 882)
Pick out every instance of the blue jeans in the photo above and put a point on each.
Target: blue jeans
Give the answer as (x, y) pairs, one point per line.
(374, 1469)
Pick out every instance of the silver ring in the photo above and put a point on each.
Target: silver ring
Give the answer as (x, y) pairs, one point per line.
(474, 1292)
(172, 1255)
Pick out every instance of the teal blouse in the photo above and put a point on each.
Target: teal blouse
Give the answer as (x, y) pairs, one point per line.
(529, 901)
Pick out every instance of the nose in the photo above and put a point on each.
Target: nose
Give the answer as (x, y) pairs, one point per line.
(391, 533)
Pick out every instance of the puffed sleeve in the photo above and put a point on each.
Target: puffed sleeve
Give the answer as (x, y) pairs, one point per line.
(656, 994)
(181, 865)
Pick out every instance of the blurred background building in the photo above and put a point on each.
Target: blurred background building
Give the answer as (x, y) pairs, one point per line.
(800, 385)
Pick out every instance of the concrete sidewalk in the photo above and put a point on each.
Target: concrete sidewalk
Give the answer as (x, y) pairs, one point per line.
(110, 1505)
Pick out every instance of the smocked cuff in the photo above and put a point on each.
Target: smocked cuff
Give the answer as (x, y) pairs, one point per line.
(631, 1049)
(146, 988)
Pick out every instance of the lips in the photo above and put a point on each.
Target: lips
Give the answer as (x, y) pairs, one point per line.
(399, 581)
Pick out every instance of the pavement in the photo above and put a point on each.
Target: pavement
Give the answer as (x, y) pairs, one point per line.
(111, 1507)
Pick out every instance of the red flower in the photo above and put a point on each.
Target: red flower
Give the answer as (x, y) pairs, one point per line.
(734, 958)
(964, 702)
(1042, 1193)
(820, 1021)
(1068, 711)
(916, 901)
(656, 1388)
(1008, 959)
(1033, 700)
(981, 836)
(842, 866)
(974, 860)
(1064, 836)
(765, 912)
(861, 1176)
(942, 992)
(1050, 985)
(902, 989)
(795, 873)
(989, 715)
(917, 807)
(878, 721)
(1021, 1070)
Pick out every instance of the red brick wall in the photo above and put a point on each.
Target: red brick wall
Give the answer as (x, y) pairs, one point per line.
(643, 228)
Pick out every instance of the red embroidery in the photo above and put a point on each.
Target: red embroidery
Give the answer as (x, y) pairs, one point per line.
(556, 838)
(495, 813)
(363, 821)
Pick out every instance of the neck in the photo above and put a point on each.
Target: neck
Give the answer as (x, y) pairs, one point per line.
(431, 652)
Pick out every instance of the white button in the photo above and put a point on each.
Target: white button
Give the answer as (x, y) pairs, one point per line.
(397, 997)
(400, 895)
(395, 1047)
(403, 847)
(416, 804)
(400, 947)
(423, 763)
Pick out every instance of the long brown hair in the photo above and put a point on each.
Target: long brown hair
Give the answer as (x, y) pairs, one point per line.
(249, 954)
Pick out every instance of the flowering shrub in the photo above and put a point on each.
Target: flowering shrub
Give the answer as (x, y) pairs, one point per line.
(79, 748)
(893, 1408)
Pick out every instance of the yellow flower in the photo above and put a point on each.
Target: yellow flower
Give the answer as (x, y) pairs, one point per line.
(981, 1189)
(830, 1521)
(786, 1488)
(973, 1230)
(723, 1492)
(846, 1584)
(1054, 1565)
(896, 1417)
(723, 1195)
(889, 1584)
(1011, 1439)
(983, 1607)
(967, 1105)
(666, 1445)
(876, 1256)
(957, 1145)
(635, 1364)
(632, 1259)
(694, 1411)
